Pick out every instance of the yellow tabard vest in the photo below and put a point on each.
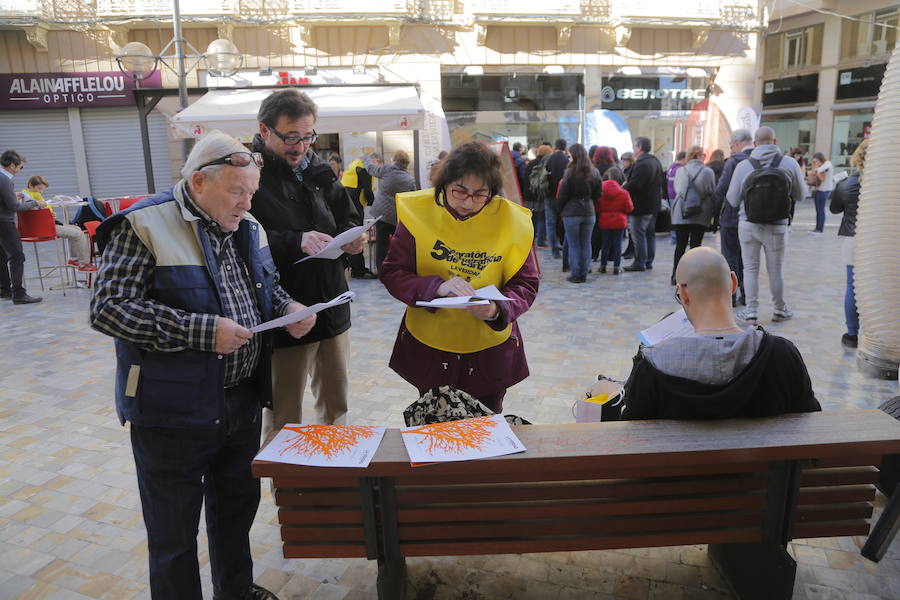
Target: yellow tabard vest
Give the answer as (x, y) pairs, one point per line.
(488, 248)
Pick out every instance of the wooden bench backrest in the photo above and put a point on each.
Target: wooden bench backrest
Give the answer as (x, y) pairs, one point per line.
(600, 485)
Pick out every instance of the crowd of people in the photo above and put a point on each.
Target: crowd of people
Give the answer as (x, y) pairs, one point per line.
(187, 274)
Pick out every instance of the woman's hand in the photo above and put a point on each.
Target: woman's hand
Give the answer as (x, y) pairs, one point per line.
(456, 287)
(485, 312)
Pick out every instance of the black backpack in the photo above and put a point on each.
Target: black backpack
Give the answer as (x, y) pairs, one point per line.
(539, 179)
(766, 193)
(94, 210)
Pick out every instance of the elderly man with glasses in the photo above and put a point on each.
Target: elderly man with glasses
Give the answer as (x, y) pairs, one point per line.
(183, 277)
(722, 370)
(302, 207)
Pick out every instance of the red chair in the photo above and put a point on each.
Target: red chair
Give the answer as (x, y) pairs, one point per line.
(127, 202)
(91, 231)
(38, 226)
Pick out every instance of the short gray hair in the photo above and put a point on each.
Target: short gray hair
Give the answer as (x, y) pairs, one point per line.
(741, 135)
(764, 135)
(210, 147)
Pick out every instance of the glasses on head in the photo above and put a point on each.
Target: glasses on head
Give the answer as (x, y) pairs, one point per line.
(461, 193)
(237, 159)
(293, 140)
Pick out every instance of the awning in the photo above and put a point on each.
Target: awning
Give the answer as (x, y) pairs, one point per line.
(341, 109)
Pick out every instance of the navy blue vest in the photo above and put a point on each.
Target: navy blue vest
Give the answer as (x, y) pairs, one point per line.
(186, 389)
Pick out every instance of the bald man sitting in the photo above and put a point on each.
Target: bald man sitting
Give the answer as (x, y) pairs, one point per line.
(722, 370)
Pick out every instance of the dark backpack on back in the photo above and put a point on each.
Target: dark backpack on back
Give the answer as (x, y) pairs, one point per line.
(94, 210)
(766, 193)
(539, 180)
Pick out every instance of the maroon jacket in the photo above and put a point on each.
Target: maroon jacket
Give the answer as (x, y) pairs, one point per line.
(487, 372)
(613, 206)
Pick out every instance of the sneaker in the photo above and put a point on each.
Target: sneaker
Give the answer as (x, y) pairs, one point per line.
(782, 315)
(88, 268)
(849, 341)
(73, 262)
(26, 299)
(616, 270)
(631, 268)
(649, 267)
(253, 592)
(747, 316)
(814, 232)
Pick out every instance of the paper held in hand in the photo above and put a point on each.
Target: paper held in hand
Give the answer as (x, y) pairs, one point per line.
(302, 314)
(333, 249)
(464, 439)
(675, 325)
(324, 445)
(482, 296)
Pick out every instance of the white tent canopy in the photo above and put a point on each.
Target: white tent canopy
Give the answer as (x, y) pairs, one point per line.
(340, 110)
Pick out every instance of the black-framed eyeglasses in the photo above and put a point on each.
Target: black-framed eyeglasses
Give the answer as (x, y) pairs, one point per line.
(677, 295)
(237, 159)
(293, 140)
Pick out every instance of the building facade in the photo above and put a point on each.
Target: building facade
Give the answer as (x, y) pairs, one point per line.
(822, 70)
(501, 70)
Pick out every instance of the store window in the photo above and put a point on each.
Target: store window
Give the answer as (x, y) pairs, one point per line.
(793, 50)
(873, 34)
(849, 131)
(793, 130)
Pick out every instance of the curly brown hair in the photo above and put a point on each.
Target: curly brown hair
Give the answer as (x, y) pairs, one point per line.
(472, 158)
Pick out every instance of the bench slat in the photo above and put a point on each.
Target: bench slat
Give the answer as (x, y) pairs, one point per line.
(836, 495)
(317, 516)
(839, 476)
(849, 461)
(299, 497)
(553, 491)
(836, 512)
(292, 550)
(538, 528)
(480, 547)
(832, 529)
(333, 533)
(310, 481)
(575, 510)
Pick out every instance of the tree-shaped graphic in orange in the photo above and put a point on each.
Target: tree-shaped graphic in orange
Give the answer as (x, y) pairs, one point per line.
(325, 440)
(454, 437)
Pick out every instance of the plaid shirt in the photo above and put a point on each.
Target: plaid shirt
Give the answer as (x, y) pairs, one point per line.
(122, 290)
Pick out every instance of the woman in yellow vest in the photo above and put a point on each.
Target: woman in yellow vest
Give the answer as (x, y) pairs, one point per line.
(451, 240)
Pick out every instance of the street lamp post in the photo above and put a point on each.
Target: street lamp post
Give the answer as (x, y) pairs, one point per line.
(137, 61)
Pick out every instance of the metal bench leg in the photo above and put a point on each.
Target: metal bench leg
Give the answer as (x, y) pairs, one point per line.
(884, 531)
(391, 563)
(759, 570)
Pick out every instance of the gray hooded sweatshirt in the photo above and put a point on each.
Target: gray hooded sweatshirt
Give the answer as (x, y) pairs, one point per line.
(765, 154)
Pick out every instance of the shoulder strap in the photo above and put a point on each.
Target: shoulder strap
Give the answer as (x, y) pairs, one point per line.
(756, 164)
(776, 161)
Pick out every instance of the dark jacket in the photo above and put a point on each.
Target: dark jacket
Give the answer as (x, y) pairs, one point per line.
(646, 184)
(717, 167)
(520, 163)
(186, 389)
(9, 202)
(775, 382)
(577, 196)
(528, 199)
(287, 208)
(556, 166)
(728, 215)
(845, 199)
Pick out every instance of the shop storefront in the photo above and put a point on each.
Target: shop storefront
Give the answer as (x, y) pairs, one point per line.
(516, 107)
(854, 109)
(81, 132)
(789, 108)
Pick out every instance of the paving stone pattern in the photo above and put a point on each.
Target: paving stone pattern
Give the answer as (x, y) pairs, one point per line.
(70, 516)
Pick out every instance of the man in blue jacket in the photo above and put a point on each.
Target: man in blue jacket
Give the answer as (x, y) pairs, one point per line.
(183, 277)
(741, 147)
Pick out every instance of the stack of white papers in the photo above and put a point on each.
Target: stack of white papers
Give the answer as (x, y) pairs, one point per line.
(675, 325)
(465, 439)
(482, 296)
(324, 445)
(302, 314)
(333, 249)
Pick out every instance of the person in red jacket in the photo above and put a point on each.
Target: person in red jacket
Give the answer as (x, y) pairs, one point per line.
(613, 207)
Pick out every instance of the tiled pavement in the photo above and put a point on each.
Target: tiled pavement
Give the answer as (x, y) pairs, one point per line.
(70, 520)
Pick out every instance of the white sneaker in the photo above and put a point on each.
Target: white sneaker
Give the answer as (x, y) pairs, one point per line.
(782, 315)
(747, 316)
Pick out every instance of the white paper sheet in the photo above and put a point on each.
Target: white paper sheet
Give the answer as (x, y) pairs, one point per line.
(324, 445)
(481, 297)
(302, 314)
(675, 325)
(333, 249)
(466, 439)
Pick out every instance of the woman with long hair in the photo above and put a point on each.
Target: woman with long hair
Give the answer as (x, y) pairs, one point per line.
(450, 241)
(578, 191)
(692, 209)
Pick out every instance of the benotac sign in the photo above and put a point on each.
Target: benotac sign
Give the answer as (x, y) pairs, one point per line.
(64, 90)
(649, 93)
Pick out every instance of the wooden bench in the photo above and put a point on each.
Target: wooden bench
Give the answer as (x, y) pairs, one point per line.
(745, 487)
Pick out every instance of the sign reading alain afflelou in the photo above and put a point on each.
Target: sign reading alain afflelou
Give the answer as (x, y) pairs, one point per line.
(65, 90)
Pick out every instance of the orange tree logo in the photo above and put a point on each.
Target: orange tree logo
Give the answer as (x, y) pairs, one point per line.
(455, 437)
(325, 440)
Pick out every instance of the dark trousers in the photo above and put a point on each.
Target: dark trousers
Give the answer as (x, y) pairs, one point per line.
(383, 233)
(357, 261)
(685, 234)
(179, 469)
(596, 242)
(12, 260)
(731, 250)
(611, 246)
